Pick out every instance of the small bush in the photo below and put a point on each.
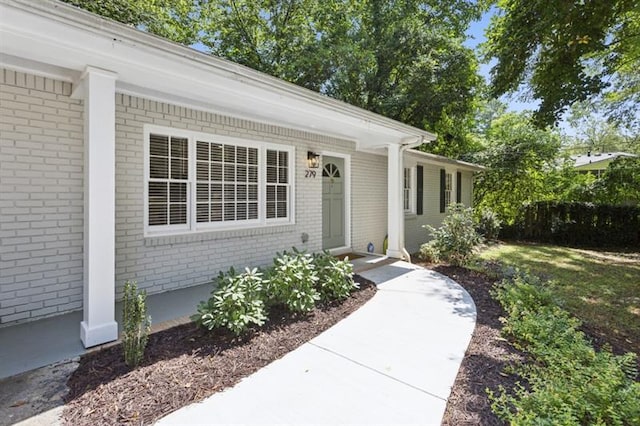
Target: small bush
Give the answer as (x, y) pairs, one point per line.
(568, 382)
(235, 303)
(136, 324)
(429, 252)
(335, 277)
(456, 239)
(489, 224)
(292, 281)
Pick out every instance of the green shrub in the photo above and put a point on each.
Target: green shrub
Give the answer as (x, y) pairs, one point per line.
(335, 277)
(429, 252)
(292, 281)
(456, 239)
(568, 382)
(136, 324)
(489, 224)
(235, 303)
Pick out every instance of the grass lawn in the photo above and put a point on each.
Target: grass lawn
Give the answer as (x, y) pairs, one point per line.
(601, 288)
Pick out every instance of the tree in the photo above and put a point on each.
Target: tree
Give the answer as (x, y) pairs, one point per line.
(566, 52)
(523, 166)
(176, 20)
(401, 59)
(620, 183)
(594, 133)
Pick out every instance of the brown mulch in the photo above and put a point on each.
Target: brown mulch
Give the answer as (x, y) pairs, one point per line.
(185, 364)
(485, 359)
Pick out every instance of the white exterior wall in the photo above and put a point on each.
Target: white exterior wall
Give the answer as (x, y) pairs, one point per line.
(415, 234)
(41, 198)
(369, 201)
(170, 262)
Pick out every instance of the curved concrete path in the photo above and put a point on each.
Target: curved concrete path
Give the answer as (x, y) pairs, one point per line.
(391, 362)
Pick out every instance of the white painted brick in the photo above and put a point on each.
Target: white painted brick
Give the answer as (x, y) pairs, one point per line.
(43, 149)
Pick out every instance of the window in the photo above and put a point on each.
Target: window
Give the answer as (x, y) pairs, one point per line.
(196, 182)
(226, 182)
(447, 189)
(407, 189)
(277, 183)
(168, 180)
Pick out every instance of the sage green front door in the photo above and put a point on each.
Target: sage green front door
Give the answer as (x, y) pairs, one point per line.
(333, 223)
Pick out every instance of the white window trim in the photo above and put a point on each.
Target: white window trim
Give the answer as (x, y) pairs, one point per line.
(192, 225)
(412, 188)
(449, 173)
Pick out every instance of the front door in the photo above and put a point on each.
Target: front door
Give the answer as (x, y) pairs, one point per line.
(333, 202)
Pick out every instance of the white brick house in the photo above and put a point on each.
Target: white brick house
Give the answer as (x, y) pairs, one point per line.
(127, 157)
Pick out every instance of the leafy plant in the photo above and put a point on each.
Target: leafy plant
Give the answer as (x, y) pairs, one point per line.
(292, 281)
(136, 324)
(456, 239)
(335, 277)
(429, 252)
(488, 224)
(235, 303)
(568, 382)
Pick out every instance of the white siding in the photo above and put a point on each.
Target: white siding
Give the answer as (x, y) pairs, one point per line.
(415, 234)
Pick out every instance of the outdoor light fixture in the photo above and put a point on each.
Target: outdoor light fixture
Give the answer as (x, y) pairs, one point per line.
(313, 160)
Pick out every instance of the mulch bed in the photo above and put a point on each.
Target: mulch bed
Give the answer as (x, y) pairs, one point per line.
(186, 364)
(485, 359)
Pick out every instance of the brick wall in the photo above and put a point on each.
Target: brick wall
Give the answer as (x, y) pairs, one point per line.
(368, 201)
(41, 203)
(41, 200)
(165, 263)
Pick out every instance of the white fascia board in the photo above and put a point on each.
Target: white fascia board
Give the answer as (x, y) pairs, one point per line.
(64, 36)
(429, 158)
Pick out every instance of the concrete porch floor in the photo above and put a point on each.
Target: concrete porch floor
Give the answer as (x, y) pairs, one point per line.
(32, 345)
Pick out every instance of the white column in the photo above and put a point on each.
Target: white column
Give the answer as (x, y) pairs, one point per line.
(395, 210)
(97, 88)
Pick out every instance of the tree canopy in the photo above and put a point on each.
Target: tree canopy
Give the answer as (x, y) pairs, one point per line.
(567, 52)
(402, 59)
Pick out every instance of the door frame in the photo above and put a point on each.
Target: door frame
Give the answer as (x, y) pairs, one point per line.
(347, 200)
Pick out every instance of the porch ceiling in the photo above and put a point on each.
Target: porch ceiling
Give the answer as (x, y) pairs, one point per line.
(53, 39)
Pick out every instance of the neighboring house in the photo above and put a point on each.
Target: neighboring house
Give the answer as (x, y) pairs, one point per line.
(596, 164)
(124, 156)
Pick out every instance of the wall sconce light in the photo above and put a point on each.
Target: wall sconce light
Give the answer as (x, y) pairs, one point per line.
(313, 160)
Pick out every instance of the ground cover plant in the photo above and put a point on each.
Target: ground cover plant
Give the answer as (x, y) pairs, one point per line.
(566, 381)
(602, 289)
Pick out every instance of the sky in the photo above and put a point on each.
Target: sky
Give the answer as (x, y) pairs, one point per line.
(476, 36)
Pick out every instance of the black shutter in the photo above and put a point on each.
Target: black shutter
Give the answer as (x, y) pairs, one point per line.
(458, 187)
(443, 178)
(419, 190)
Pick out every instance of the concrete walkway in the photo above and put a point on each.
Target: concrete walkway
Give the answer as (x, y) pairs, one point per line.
(391, 362)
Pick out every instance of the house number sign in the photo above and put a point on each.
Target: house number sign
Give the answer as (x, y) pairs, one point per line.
(310, 174)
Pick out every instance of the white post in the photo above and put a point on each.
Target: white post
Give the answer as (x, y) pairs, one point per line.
(395, 211)
(98, 90)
